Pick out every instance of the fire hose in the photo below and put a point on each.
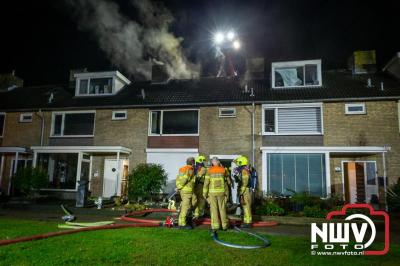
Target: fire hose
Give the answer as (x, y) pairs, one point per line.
(136, 222)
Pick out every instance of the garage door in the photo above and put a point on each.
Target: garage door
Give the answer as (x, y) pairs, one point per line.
(171, 160)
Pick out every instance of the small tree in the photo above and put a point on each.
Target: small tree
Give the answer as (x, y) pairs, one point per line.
(145, 180)
(27, 179)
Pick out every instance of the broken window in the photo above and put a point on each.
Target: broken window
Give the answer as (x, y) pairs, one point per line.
(296, 74)
(174, 122)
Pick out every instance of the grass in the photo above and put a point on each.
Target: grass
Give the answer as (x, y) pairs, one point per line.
(159, 246)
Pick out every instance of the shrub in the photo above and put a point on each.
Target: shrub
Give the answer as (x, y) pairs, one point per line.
(314, 211)
(134, 207)
(393, 198)
(145, 180)
(269, 208)
(27, 179)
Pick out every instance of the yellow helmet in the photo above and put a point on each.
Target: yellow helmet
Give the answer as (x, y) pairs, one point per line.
(200, 159)
(241, 161)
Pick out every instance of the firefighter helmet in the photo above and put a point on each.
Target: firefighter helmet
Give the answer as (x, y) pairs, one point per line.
(241, 161)
(200, 159)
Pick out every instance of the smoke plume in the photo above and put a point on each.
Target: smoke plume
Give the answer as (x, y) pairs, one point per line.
(134, 45)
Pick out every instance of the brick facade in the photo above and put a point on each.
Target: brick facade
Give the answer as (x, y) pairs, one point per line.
(378, 127)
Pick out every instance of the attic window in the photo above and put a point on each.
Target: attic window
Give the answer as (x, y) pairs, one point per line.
(119, 115)
(95, 86)
(227, 112)
(296, 74)
(99, 83)
(25, 118)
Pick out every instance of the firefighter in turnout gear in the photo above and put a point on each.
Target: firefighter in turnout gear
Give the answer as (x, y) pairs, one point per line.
(185, 184)
(198, 201)
(215, 193)
(244, 192)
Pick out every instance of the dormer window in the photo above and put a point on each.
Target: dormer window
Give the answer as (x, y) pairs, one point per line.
(99, 83)
(305, 73)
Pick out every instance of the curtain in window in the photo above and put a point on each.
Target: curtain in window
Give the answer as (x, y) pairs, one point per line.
(298, 172)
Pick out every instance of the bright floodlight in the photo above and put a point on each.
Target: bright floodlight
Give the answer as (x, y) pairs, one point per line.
(236, 45)
(218, 38)
(230, 35)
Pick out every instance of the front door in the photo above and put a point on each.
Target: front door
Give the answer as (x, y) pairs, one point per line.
(111, 181)
(228, 163)
(360, 181)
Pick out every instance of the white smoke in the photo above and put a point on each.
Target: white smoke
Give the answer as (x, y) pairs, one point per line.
(130, 44)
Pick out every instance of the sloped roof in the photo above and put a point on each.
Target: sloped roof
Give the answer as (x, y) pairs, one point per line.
(205, 91)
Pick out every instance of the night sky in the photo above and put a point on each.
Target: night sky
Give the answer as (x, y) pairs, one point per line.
(41, 40)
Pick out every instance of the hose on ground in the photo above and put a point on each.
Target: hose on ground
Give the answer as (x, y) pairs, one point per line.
(137, 222)
(265, 241)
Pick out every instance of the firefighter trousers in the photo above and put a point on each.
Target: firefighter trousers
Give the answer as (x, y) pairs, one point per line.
(218, 211)
(246, 205)
(198, 201)
(185, 207)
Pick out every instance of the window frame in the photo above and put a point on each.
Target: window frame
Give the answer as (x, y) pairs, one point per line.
(220, 109)
(162, 120)
(347, 112)
(53, 115)
(78, 84)
(4, 124)
(114, 118)
(275, 107)
(302, 63)
(326, 173)
(22, 120)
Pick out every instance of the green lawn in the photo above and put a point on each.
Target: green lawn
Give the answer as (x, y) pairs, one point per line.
(159, 246)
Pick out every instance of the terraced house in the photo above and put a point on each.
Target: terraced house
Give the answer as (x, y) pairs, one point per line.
(305, 129)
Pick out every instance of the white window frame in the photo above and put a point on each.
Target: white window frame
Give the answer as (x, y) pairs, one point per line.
(53, 115)
(347, 112)
(161, 121)
(22, 120)
(4, 125)
(302, 63)
(220, 109)
(275, 107)
(78, 84)
(119, 112)
(303, 149)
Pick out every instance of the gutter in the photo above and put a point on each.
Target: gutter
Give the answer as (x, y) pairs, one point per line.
(158, 105)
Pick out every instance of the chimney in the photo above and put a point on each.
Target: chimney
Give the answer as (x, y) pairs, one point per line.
(159, 73)
(254, 68)
(363, 62)
(393, 66)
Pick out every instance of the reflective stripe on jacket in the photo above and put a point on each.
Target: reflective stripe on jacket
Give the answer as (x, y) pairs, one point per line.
(214, 182)
(185, 179)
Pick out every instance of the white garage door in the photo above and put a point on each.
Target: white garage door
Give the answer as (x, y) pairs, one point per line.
(171, 160)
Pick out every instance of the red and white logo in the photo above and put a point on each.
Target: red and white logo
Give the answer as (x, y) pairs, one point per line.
(333, 238)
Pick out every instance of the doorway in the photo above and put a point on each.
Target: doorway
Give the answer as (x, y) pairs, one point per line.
(360, 181)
